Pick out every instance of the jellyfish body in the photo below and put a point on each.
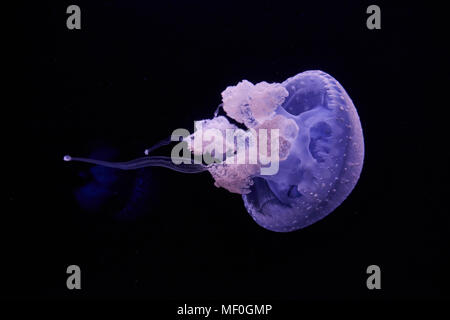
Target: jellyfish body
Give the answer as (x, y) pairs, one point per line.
(323, 166)
(321, 149)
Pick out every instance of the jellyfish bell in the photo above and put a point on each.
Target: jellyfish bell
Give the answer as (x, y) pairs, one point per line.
(324, 163)
(308, 122)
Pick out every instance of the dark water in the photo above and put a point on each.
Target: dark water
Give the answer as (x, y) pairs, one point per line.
(136, 71)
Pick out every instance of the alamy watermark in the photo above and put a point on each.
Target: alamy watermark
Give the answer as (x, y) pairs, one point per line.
(229, 146)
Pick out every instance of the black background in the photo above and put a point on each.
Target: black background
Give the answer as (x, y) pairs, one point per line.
(138, 70)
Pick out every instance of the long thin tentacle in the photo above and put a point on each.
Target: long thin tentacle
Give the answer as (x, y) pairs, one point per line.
(155, 161)
(161, 143)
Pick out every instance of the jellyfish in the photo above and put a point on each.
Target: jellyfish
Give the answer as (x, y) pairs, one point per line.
(307, 124)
